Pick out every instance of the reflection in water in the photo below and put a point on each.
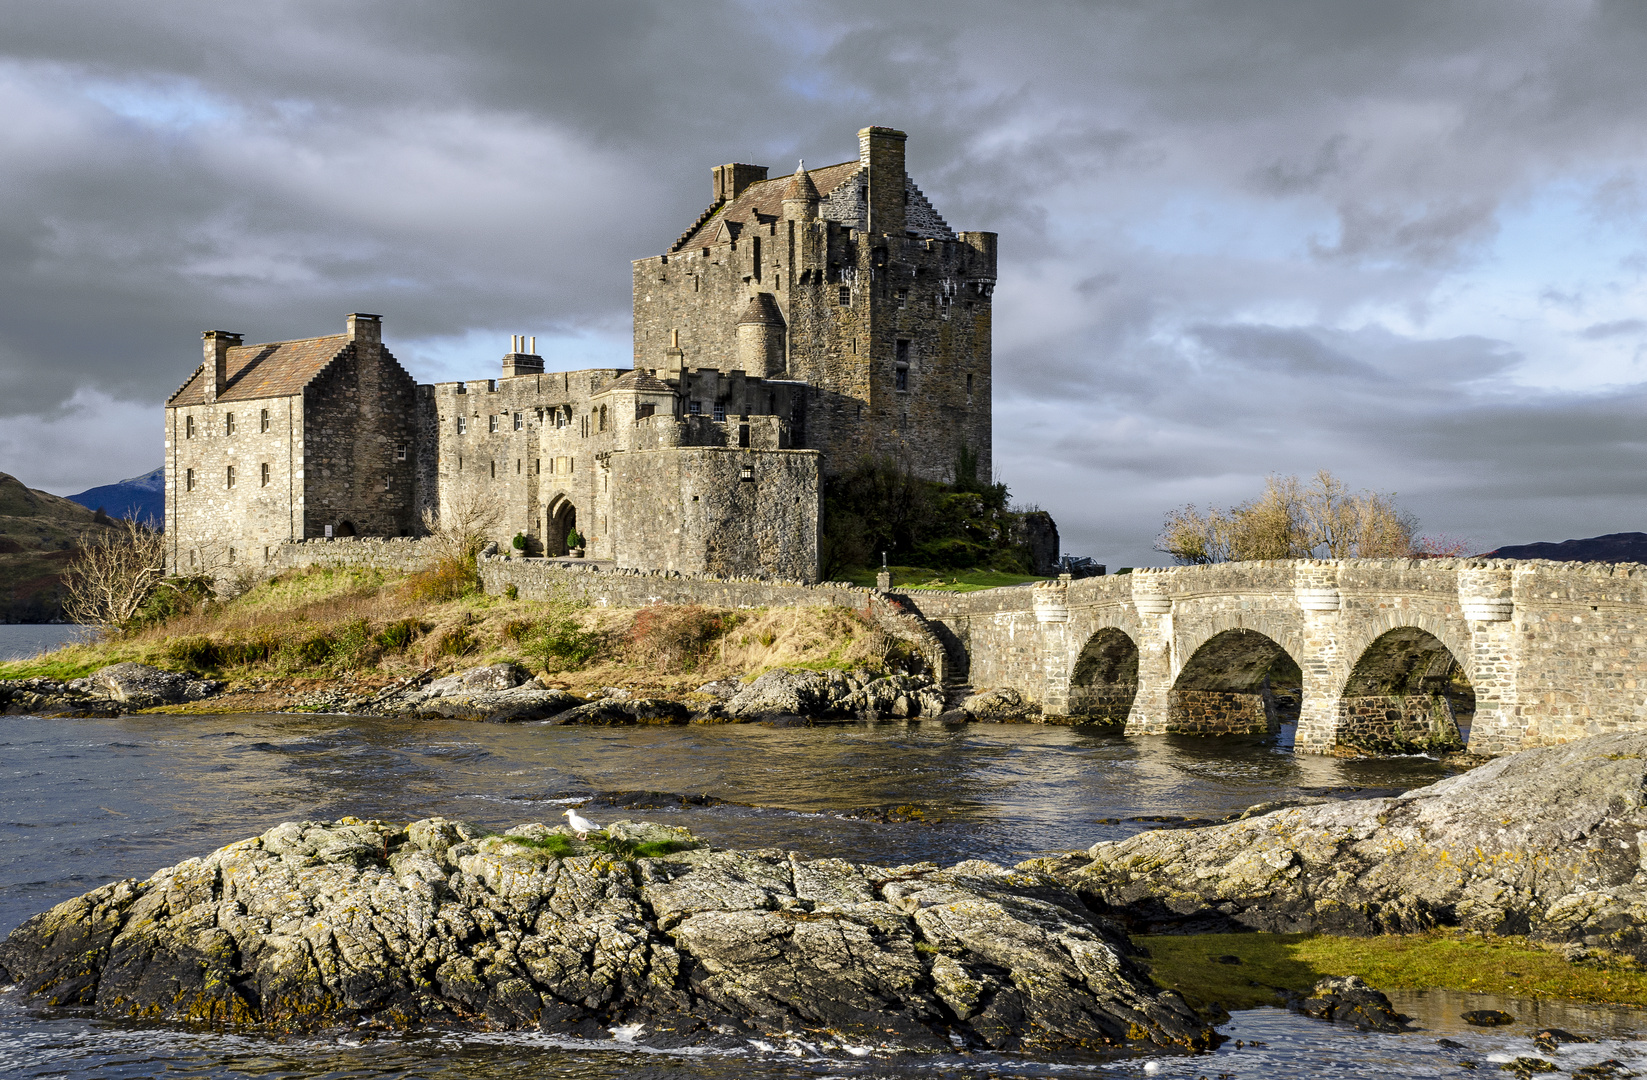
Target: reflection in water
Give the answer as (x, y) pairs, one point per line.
(87, 801)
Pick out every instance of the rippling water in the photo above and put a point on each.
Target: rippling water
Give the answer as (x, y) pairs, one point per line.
(83, 802)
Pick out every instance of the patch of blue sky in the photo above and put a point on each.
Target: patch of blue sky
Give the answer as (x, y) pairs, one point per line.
(1558, 267)
(478, 354)
(177, 104)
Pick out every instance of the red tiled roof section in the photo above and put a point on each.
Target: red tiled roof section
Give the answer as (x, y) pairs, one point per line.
(766, 198)
(277, 369)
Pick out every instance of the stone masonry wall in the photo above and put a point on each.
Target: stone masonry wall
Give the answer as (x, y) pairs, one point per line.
(1390, 723)
(397, 554)
(211, 525)
(359, 452)
(1218, 712)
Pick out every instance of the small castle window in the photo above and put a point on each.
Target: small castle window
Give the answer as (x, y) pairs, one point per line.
(263, 471)
(755, 257)
(720, 411)
(494, 470)
(603, 418)
(231, 556)
(903, 377)
(969, 389)
(517, 466)
(492, 422)
(263, 420)
(519, 423)
(694, 408)
(228, 423)
(229, 477)
(903, 298)
(188, 479)
(400, 452)
(743, 435)
(463, 424)
(537, 465)
(188, 427)
(643, 411)
(747, 475)
(846, 296)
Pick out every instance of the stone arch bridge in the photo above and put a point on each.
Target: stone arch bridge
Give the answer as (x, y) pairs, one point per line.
(1377, 654)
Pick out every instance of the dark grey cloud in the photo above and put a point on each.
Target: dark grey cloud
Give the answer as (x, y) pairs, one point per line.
(1236, 238)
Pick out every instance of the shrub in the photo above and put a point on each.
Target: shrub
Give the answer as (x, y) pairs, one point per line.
(511, 592)
(676, 636)
(519, 542)
(195, 653)
(574, 539)
(516, 630)
(455, 641)
(352, 646)
(449, 579)
(559, 642)
(399, 634)
(304, 651)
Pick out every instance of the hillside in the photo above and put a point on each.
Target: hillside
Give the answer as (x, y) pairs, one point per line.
(142, 498)
(38, 534)
(1611, 547)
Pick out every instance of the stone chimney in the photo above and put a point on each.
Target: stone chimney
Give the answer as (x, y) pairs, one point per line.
(365, 329)
(731, 180)
(217, 346)
(522, 363)
(881, 152)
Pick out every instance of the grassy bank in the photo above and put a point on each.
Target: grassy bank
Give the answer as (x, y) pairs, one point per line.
(367, 627)
(1200, 967)
(922, 577)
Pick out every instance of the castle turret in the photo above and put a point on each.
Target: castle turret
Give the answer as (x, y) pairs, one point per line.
(801, 198)
(760, 338)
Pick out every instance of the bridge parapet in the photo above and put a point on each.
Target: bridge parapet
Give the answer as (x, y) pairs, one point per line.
(1550, 651)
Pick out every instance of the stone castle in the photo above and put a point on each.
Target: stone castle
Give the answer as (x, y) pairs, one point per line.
(798, 325)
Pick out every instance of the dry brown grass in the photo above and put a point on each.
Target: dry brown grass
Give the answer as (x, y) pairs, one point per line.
(368, 627)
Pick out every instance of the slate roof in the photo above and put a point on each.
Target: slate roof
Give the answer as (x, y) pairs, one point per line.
(765, 199)
(641, 380)
(275, 369)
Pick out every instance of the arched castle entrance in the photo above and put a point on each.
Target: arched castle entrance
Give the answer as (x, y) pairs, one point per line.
(559, 520)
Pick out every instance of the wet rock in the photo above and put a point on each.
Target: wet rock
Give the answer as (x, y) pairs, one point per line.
(1549, 1039)
(725, 689)
(1349, 1000)
(1450, 1044)
(1527, 1066)
(314, 925)
(141, 685)
(782, 691)
(1604, 1070)
(1454, 853)
(613, 712)
(519, 705)
(1001, 703)
(1487, 1018)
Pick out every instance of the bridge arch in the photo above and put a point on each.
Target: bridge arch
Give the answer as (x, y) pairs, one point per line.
(1237, 681)
(1104, 679)
(1407, 692)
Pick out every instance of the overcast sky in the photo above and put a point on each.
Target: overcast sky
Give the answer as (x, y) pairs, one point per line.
(1403, 241)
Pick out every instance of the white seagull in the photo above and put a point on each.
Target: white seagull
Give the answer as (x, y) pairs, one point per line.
(580, 824)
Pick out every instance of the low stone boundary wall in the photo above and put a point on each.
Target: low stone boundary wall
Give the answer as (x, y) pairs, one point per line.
(546, 579)
(403, 554)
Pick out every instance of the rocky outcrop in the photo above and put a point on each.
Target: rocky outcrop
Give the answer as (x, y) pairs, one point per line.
(1547, 842)
(109, 691)
(363, 924)
(826, 693)
(611, 712)
(1349, 1000)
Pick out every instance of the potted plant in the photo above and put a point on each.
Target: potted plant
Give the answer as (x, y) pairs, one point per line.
(574, 544)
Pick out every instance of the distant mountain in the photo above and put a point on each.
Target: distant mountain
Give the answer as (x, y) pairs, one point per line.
(1614, 547)
(142, 498)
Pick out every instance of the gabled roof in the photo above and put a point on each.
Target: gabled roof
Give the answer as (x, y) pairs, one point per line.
(765, 199)
(275, 369)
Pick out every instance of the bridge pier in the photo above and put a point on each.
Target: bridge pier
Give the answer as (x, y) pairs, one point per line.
(1486, 600)
(1152, 705)
(1315, 588)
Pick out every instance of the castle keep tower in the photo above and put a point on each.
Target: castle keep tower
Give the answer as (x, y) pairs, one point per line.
(844, 279)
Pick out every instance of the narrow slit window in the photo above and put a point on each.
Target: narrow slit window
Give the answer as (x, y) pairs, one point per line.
(263, 475)
(228, 423)
(228, 477)
(188, 427)
(263, 420)
(188, 479)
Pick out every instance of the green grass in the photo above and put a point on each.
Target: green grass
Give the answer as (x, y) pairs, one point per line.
(921, 577)
(1270, 963)
(561, 846)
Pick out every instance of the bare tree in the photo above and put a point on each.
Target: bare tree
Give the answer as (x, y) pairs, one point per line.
(1294, 521)
(112, 574)
(463, 525)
